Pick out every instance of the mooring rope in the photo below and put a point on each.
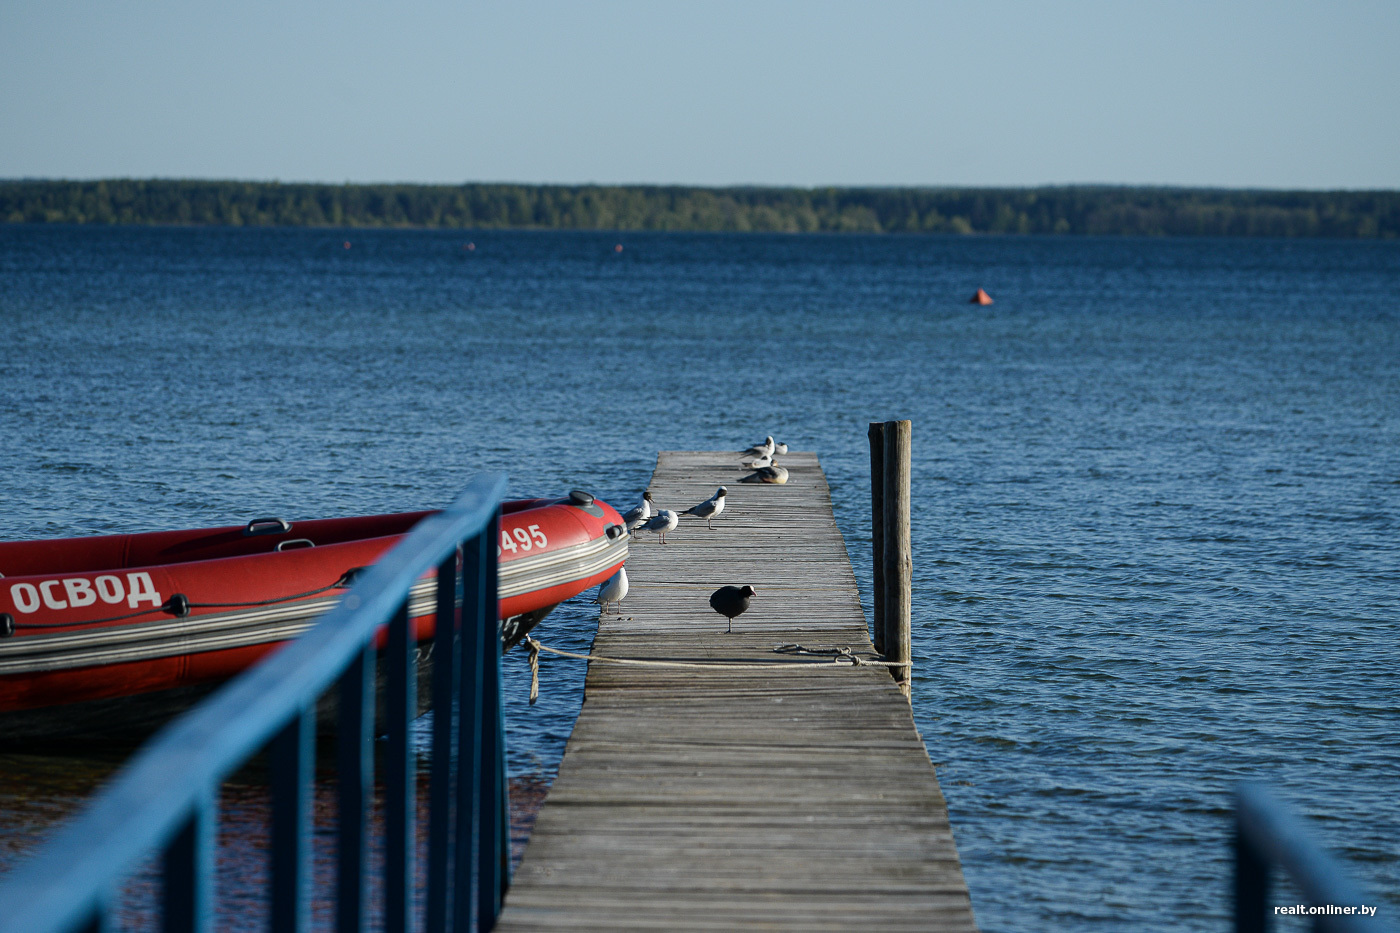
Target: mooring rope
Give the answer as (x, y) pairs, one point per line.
(840, 655)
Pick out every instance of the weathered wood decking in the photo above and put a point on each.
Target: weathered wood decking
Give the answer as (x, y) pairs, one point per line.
(749, 798)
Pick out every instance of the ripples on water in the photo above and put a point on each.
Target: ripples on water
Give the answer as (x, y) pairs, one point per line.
(1156, 484)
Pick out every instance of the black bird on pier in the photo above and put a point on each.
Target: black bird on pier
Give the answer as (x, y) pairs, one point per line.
(730, 601)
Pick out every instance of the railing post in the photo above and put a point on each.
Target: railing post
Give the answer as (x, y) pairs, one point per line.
(877, 532)
(188, 872)
(1251, 884)
(355, 772)
(400, 786)
(897, 558)
(293, 762)
(493, 830)
(446, 667)
(466, 867)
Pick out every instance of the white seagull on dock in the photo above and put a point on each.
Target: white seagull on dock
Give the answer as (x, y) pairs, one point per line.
(613, 590)
(770, 474)
(780, 449)
(709, 508)
(757, 463)
(762, 450)
(636, 516)
(663, 521)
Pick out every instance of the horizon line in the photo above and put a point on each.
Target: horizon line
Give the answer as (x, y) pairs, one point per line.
(1143, 186)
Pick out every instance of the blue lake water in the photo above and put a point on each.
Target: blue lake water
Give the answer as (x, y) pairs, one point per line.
(1156, 485)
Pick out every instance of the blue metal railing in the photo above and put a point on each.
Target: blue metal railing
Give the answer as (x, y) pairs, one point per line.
(164, 800)
(1269, 834)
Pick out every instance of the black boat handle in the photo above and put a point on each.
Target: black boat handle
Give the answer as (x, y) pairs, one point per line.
(267, 526)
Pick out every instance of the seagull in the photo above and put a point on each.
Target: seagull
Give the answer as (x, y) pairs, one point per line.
(780, 449)
(758, 463)
(762, 450)
(730, 601)
(613, 590)
(641, 513)
(770, 474)
(663, 521)
(709, 508)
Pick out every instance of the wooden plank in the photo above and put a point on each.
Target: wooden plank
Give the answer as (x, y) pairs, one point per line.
(788, 793)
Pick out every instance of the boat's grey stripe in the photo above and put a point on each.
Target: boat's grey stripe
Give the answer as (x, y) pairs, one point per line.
(240, 629)
(584, 565)
(522, 574)
(165, 628)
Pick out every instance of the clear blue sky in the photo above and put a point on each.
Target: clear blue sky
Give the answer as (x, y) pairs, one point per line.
(1240, 94)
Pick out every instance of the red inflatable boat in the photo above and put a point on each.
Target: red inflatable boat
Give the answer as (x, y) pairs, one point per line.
(106, 631)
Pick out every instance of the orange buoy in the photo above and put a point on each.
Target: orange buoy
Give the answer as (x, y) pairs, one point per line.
(981, 298)
(617, 248)
(347, 244)
(469, 247)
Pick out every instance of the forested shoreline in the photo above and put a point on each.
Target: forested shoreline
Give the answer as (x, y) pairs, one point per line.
(1075, 210)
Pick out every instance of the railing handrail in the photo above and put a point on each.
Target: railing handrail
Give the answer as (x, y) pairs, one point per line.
(145, 803)
(1276, 835)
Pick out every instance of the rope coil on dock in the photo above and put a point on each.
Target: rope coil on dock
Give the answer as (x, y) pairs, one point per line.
(838, 654)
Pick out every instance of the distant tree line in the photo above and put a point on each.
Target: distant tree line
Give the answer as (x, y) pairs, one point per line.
(1061, 210)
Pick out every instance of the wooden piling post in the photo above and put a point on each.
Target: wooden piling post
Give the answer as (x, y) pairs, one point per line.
(877, 531)
(898, 557)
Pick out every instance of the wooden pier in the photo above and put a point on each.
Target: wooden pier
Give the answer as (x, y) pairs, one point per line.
(778, 792)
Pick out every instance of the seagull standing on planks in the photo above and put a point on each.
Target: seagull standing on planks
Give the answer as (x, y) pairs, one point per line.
(636, 516)
(730, 601)
(770, 474)
(709, 508)
(613, 590)
(663, 521)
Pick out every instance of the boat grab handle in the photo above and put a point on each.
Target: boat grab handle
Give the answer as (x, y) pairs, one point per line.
(267, 526)
(291, 544)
